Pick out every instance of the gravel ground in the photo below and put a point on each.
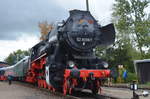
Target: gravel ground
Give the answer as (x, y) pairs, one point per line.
(25, 91)
(18, 91)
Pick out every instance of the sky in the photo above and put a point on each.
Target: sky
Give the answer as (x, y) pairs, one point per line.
(19, 19)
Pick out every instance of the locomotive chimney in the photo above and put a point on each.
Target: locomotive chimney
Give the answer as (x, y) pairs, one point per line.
(87, 5)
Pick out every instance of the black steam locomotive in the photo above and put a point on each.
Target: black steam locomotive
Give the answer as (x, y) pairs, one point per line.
(69, 50)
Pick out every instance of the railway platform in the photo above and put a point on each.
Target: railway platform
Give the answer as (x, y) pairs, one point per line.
(122, 93)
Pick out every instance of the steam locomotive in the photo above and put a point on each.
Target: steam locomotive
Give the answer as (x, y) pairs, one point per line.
(65, 60)
(69, 50)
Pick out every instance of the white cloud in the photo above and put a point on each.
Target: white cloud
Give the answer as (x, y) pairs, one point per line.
(100, 9)
(71, 4)
(24, 43)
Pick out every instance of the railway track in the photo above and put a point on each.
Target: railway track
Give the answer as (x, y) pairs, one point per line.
(76, 95)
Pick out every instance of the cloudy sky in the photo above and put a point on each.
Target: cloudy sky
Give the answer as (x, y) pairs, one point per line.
(19, 19)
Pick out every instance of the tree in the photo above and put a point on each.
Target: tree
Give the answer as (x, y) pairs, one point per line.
(132, 23)
(132, 27)
(119, 54)
(16, 56)
(45, 28)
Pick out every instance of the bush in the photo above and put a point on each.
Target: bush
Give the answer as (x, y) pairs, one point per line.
(148, 83)
(131, 77)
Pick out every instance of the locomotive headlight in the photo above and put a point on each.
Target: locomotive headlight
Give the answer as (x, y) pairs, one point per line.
(105, 64)
(71, 64)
